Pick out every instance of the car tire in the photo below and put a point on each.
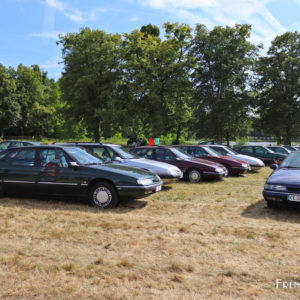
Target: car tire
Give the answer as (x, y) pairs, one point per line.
(229, 170)
(103, 194)
(1, 191)
(194, 176)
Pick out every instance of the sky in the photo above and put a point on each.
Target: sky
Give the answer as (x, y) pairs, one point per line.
(29, 28)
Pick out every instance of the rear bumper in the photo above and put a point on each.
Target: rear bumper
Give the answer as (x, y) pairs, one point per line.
(139, 190)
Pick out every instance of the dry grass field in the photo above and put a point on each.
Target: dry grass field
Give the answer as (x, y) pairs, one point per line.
(214, 240)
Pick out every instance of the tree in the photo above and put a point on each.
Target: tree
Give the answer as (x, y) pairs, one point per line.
(9, 106)
(90, 78)
(156, 80)
(278, 98)
(224, 60)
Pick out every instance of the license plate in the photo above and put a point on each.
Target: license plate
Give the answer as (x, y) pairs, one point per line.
(158, 188)
(295, 198)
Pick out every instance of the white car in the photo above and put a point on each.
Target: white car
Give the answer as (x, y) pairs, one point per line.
(255, 163)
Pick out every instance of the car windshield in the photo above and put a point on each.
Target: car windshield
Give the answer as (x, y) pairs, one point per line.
(82, 157)
(180, 154)
(124, 153)
(211, 151)
(291, 161)
(230, 151)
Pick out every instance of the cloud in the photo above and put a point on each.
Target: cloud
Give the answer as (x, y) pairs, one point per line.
(224, 12)
(72, 13)
(47, 35)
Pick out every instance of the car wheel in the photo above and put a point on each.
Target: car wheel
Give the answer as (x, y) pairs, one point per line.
(229, 170)
(103, 194)
(194, 175)
(1, 191)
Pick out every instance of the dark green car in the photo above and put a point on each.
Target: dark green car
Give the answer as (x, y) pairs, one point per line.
(261, 152)
(71, 171)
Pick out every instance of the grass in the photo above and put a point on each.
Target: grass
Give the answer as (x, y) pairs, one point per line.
(214, 240)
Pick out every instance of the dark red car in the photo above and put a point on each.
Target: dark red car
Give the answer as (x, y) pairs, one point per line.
(234, 166)
(194, 170)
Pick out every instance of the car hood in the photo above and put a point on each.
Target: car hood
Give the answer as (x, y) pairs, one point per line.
(249, 159)
(151, 164)
(285, 176)
(123, 170)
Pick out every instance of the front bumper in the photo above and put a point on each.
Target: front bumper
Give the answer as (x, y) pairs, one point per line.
(214, 175)
(279, 197)
(139, 190)
(255, 167)
(168, 179)
(239, 170)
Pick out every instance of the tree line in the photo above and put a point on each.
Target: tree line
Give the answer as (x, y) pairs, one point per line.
(187, 84)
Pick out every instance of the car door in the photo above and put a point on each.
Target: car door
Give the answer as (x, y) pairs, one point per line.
(55, 175)
(247, 150)
(166, 155)
(20, 171)
(263, 154)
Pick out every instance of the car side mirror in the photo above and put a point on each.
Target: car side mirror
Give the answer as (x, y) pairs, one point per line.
(73, 164)
(118, 159)
(274, 166)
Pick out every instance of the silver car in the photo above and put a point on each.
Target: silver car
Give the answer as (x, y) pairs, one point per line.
(255, 163)
(119, 155)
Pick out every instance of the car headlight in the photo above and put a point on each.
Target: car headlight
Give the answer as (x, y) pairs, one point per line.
(219, 170)
(275, 187)
(244, 165)
(145, 181)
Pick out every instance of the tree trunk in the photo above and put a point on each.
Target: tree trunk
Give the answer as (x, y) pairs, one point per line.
(96, 130)
(178, 134)
(227, 138)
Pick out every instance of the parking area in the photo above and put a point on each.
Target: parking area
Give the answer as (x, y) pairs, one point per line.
(189, 241)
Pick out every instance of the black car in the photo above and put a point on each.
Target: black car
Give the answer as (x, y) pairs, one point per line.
(12, 144)
(71, 171)
(266, 155)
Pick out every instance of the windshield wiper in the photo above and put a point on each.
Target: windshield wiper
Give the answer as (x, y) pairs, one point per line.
(93, 164)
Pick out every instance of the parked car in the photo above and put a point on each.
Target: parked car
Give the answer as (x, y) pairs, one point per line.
(71, 171)
(254, 163)
(119, 155)
(233, 165)
(11, 144)
(279, 149)
(266, 155)
(283, 185)
(289, 147)
(297, 148)
(194, 170)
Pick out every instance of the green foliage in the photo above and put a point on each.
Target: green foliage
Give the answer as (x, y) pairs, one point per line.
(279, 88)
(222, 96)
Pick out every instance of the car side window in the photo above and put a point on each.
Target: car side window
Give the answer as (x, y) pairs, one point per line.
(145, 152)
(4, 145)
(102, 153)
(165, 154)
(21, 157)
(246, 149)
(197, 152)
(260, 150)
(112, 153)
(184, 149)
(220, 150)
(53, 157)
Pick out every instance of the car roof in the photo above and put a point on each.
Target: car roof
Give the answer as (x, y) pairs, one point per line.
(21, 141)
(85, 143)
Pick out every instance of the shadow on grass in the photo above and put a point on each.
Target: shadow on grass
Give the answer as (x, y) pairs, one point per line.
(284, 213)
(68, 204)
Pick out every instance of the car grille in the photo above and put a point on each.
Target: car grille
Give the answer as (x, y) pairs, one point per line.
(293, 189)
